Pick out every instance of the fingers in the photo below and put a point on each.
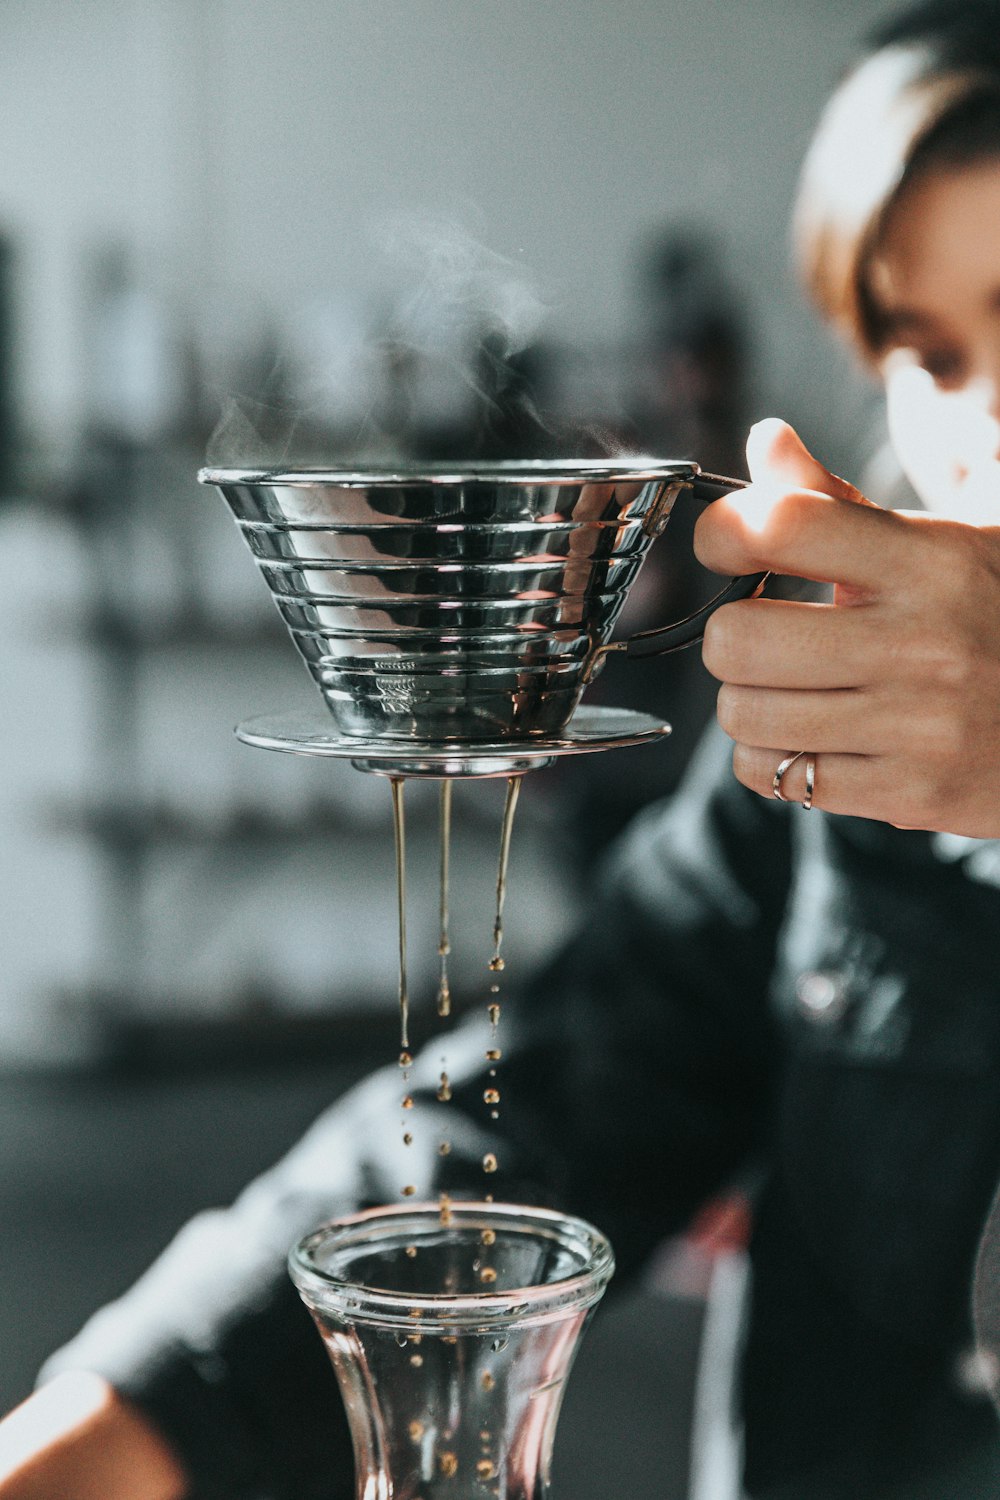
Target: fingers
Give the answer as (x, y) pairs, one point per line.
(840, 721)
(854, 784)
(803, 534)
(783, 643)
(879, 787)
(893, 689)
(776, 453)
(798, 519)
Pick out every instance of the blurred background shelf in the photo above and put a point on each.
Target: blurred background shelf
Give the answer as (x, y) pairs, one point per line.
(136, 1035)
(145, 826)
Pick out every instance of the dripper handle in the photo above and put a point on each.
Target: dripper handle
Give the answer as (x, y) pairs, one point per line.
(687, 632)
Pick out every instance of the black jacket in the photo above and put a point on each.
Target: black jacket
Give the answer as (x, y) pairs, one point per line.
(757, 989)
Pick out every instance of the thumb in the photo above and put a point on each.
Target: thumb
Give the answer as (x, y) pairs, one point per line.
(777, 455)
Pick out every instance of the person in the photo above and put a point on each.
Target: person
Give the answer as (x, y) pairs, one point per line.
(804, 992)
(897, 225)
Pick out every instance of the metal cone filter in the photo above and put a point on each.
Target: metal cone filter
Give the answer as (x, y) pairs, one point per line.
(440, 605)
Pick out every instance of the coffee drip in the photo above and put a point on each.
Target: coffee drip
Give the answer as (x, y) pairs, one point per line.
(452, 618)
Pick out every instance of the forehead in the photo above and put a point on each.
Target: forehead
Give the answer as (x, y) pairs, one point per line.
(939, 247)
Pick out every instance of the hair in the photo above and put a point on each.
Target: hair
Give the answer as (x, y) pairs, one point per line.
(925, 95)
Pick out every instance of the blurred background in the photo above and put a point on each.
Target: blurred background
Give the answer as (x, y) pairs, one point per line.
(283, 229)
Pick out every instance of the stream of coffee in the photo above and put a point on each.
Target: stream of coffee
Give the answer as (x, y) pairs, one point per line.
(491, 1094)
(509, 808)
(485, 1272)
(399, 831)
(444, 941)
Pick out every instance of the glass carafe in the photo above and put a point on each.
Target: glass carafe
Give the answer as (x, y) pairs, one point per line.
(452, 1331)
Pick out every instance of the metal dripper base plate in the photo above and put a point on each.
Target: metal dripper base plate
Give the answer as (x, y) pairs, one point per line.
(591, 728)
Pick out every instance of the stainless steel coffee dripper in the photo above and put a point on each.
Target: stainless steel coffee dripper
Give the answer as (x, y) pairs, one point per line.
(463, 604)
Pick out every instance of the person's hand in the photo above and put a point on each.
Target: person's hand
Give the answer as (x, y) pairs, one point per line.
(77, 1439)
(894, 687)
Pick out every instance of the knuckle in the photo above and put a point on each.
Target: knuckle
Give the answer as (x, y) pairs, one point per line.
(955, 665)
(948, 737)
(926, 799)
(944, 657)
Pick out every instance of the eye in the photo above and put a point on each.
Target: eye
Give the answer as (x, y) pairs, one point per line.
(946, 367)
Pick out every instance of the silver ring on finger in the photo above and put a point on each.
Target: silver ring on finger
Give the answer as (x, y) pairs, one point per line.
(783, 766)
(807, 800)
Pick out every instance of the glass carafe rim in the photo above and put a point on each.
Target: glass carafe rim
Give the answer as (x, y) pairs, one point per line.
(478, 1311)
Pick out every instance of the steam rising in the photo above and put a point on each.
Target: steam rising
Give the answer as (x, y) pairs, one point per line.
(454, 368)
(463, 288)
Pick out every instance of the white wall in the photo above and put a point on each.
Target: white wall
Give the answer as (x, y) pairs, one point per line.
(248, 147)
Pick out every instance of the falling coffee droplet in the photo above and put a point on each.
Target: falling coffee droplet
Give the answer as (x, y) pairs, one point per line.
(409, 1190)
(448, 1464)
(416, 1360)
(488, 1237)
(407, 1101)
(444, 939)
(487, 1274)
(405, 1060)
(411, 1251)
(485, 1470)
(491, 1096)
(486, 1381)
(444, 1089)
(407, 1139)
(493, 1055)
(493, 1011)
(416, 1431)
(399, 830)
(506, 828)
(444, 1149)
(445, 1214)
(489, 1162)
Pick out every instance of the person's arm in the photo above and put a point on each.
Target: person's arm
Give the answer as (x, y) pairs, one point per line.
(894, 687)
(77, 1439)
